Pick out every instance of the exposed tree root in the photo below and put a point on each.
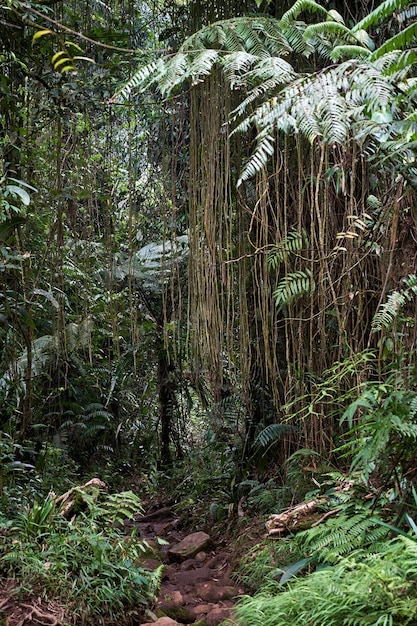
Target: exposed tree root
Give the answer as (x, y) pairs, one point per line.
(37, 616)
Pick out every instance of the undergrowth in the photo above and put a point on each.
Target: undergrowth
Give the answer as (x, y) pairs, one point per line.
(91, 563)
(362, 589)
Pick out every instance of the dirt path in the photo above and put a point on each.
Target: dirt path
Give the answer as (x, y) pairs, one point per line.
(196, 586)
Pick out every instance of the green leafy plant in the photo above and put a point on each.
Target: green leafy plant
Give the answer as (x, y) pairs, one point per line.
(392, 308)
(97, 563)
(361, 589)
(384, 436)
(292, 286)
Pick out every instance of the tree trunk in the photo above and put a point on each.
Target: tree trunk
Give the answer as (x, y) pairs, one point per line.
(167, 397)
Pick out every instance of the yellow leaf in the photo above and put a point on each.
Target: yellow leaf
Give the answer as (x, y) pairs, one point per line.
(61, 62)
(57, 55)
(67, 68)
(84, 59)
(41, 33)
(71, 43)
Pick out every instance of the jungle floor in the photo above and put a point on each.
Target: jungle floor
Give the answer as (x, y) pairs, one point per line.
(197, 586)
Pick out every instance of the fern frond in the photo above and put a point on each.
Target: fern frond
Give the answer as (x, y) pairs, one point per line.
(409, 13)
(261, 36)
(324, 29)
(389, 311)
(291, 243)
(140, 79)
(299, 7)
(292, 286)
(271, 434)
(381, 13)
(411, 282)
(340, 536)
(258, 160)
(398, 42)
(349, 51)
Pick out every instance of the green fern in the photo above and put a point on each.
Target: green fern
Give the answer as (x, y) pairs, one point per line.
(340, 595)
(292, 286)
(390, 310)
(299, 7)
(381, 13)
(293, 242)
(387, 427)
(340, 536)
(403, 39)
(271, 434)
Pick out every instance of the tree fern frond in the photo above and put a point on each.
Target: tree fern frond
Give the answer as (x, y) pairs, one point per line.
(324, 29)
(265, 75)
(388, 311)
(201, 65)
(378, 15)
(292, 286)
(398, 64)
(349, 51)
(171, 73)
(261, 36)
(258, 160)
(408, 13)
(411, 282)
(299, 7)
(295, 37)
(237, 64)
(399, 41)
(140, 79)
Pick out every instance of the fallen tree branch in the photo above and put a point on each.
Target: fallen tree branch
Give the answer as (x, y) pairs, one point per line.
(67, 501)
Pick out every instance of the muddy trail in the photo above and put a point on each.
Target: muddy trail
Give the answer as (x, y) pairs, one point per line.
(196, 583)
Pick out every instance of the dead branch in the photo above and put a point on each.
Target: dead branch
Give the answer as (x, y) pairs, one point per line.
(67, 500)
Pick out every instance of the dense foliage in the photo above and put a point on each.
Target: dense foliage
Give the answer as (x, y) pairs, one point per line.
(207, 261)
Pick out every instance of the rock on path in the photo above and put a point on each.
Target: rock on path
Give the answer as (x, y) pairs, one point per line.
(196, 586)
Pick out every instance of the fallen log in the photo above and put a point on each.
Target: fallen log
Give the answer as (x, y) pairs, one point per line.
(68, 501)
(296, 516)
(288, 520)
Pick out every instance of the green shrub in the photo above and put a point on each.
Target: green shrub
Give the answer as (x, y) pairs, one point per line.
(88, 563)
(362, 589)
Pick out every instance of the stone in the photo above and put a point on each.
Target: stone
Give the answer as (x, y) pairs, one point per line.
(203, 609)
(201, 557)
(163, 621)
(182, 614)
(168, 600)
(189, 546)
(188, 565)
(217, 616)
(211, 592)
